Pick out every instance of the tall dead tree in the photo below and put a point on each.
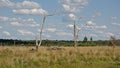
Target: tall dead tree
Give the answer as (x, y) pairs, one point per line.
(75, 37)
(41, 30)
(112, 40)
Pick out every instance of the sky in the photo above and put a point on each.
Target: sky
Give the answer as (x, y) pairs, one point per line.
(22, 19)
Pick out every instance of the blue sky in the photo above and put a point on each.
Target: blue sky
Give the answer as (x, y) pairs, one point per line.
(22, 19)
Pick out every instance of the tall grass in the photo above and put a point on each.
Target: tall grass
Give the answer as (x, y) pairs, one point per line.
(67, 57)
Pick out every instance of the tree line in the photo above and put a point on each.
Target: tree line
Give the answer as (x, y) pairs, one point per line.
(85, 42)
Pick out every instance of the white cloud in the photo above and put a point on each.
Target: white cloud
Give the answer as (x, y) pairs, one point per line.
(19, 5)
(30, 11)
(109, 34)
(62, 33)
(73, 5)
(51, 29)
(90, 23)
(116, 24)
(101, 27)
(66, 7)
(72, 16)
(46, 35)
(70, 26)
(104, 33)
(19, 21)
(15, 23)
(2, 18)
(25, 32)
(114, 17)
(1, 27)
(5, 3)
(6, 33)
(25, 7)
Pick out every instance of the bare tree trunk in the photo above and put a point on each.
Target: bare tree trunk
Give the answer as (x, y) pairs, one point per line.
(75, 37)
(36, 44)
(113, 41)
(42, 30)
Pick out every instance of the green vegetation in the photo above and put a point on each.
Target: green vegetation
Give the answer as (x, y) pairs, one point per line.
(85, 42)
(65, 57)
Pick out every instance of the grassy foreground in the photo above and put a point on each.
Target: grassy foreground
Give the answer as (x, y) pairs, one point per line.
(66, 57)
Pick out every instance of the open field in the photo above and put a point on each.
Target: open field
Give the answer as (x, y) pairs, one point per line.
(64, 57)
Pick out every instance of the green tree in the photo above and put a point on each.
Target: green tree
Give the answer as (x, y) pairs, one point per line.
(91, 39)
(85, 39)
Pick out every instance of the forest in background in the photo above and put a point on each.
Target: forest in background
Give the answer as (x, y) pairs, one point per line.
(84, 42)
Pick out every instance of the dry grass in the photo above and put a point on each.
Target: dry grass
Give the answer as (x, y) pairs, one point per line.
(81, 57)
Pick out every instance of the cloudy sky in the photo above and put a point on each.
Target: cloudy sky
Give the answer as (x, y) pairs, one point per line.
(22, 19)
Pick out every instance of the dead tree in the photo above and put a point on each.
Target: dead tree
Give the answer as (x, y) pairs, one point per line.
(113, 40)
(75, 37)
(44, 19)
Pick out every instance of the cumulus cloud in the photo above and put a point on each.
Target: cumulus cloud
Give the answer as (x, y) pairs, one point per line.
(90, 23)
(6, 33)
(70, 26)
(25, 7)
(15, 23)
(72, 16)
(19, 21)
(73, 5)
(51, 29)
(25, 32)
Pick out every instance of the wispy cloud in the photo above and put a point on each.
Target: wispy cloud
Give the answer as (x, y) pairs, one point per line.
(30, 11)
(1, 27)
(116, 24)
(101, 27)
(25, 32)
(6, 33)
(51, 29)
(63, 33)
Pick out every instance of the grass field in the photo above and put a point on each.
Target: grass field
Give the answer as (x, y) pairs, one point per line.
(64, 57)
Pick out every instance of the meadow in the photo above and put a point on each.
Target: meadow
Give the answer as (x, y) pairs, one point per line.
(60, 57)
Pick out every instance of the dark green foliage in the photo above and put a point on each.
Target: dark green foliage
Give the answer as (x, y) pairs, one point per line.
(85, 42)
(91, 39)
(85, 39)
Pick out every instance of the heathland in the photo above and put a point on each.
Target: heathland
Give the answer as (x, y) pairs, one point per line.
(60, 57)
